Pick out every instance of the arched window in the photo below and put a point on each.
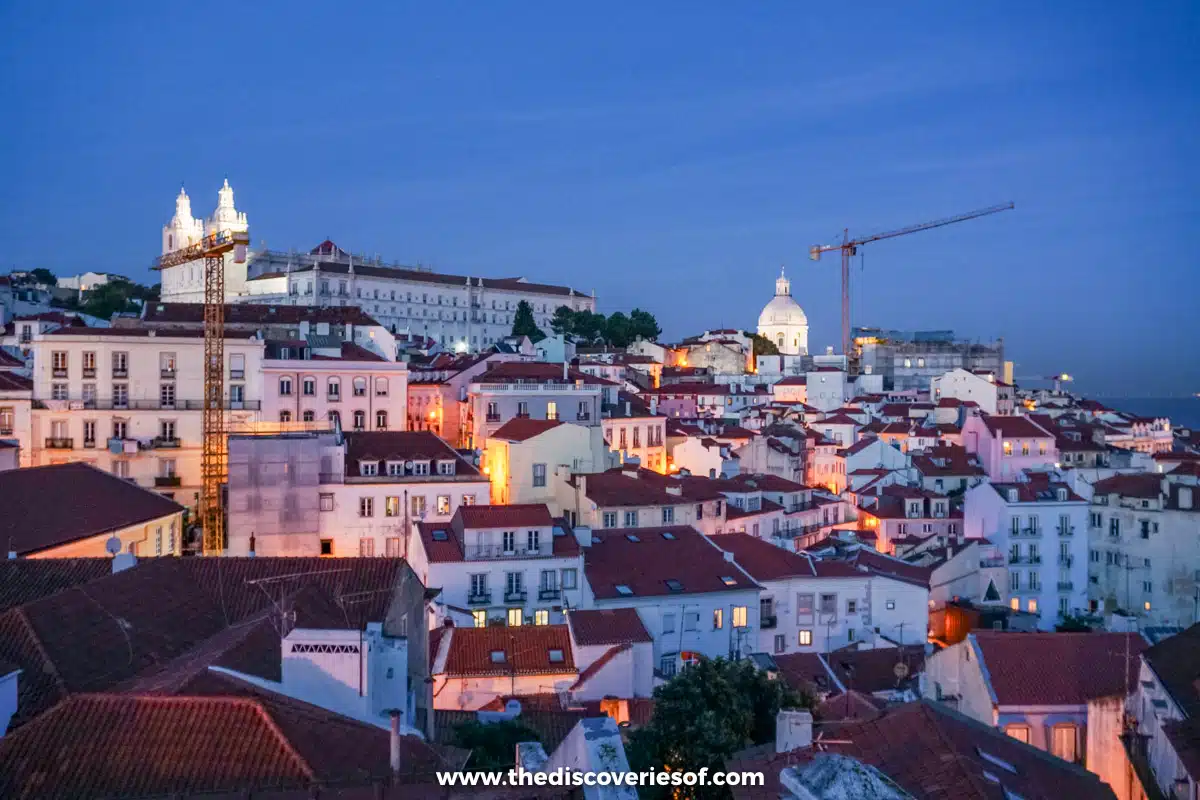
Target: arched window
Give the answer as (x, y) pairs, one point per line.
(360, 387)
(335, 389)
(781, 340)
(285, 416)
(335, 419)
(381, 420)
(360, 420)
(309, 416)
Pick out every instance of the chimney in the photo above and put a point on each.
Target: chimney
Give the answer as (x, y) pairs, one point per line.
(565, 368)
(628, 409)
(793, 730)
(583, 535)
(394, 741)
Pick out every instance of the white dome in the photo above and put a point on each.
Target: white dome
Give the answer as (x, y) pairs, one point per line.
(782, 310)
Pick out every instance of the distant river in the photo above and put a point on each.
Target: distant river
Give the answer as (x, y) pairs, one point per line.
(1183, 411)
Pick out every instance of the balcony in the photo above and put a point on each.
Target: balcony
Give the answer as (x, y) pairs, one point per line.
(480, 551)
(167, 374)
(89, 372)
(6, 430)
(583, 416)
(768, 621)
(546, 593)
(1017, 559)
(1065, 586)
(517, 596)
(60, 372)
(522, 415)
(120, 372)
(167, 481)
(154, 405)
(237, 374)
(994, 561)
(492, 418)
(59, 443)
(479, 599)
(88, 444)
(1068, 530)
(1066, 561)
(164, 442)
(1027, 532)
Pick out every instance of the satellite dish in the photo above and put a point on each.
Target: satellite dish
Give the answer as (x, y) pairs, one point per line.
(900, 670)
(408, 465)
(113, 545)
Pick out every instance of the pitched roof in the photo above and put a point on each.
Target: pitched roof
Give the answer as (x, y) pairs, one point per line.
(601, 626)
(11, 382)
(889, 567)
(23, 580)
(1072, 668)
(85, 747)
(521, 650)
(617, 488)
(764, 561)
(1141, 485)
(9, 361)
(874, 670)
(792, 380)
(768, 482)
(656, 562)
(64, 503)
(1037, 488)
(520, 429)
(257, 314)
(401, 446)
(806, 672)
(525, 514)
(1014, 427)
(444, 542)
(1176, 662)
(454, 281)
(934, 753)
(537, 372)
(946, 460)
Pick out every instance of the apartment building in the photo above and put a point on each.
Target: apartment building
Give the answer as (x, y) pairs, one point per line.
(1144, 558)
(510, 565)
(1008, 445)
(632, 497)
(1039, 523)
(438, 398)
(130, 401)
(535, 390)
(990, 394)
(524, 456)
(636, 431)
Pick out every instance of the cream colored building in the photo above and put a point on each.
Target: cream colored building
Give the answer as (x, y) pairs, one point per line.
(521, 459)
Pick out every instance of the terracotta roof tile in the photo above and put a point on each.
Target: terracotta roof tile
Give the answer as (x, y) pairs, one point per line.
(11, 382)
(258, 314)
(762, 560)
(1072, 668)
(525, 650)
(23, 580)
(537, 372)
(481, 516)
(64, 503)
(652, 557)
(602, 626)
(383, 446)
(1014, 427)
(874, 670)
(1141, 485)
(520, 429)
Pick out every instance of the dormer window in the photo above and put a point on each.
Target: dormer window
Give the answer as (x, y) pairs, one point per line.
(420, 468)
(1012, 495)
(1062, 494)
(368, 469)
(445, 467)
(395, 468)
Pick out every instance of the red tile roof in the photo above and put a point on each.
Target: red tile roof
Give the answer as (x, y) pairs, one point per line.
(1038, 489)
(23, 580)
(1141, 485)
(526, 651)
(860, 445)
(616, 488)
(1176, 662)
(875, 670)
(934, 753)
(946, 460)
(11, 382)
(64, 503)
(601, 626)
(383, 446)
(838, 419)
(769, 483)
(764, 561)
(520, 429)
(8, 361)
(806, 672)
(443, 542)
(257, 314)
(522, 515)
(1014, 427)
(103, 745)
(537, 372)
(793, 380)
(1071, 668)
(646, 565)
(889, 567)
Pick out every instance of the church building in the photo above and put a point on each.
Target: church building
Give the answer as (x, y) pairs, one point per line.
(783, 321)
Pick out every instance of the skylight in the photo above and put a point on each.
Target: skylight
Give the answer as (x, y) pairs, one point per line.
(668, 535)
(440, 535)
(556, 656)
(623, 589)
(674, 585)
(728, 580)
(633, 537)
(498, 657)
(999, 762)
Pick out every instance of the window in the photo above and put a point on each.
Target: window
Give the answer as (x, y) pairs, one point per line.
(493, 411)
(569, 578)
(335, 419)
(522, 409)
(417, 503)
(668, 664)
(533, 541)
(443, 504)
(539, 474)
(718, 619)
(780, 643)
(479, 617)
(541, 616)
(366, 506)
(668, 623)
(368, 469)
(327, 502)
(805, 638)
(668, 516)
(285, 416)
(237, 394)
(366, 547)
(360, 387)
(58, 391)
(468, 500)
(360, 420)
(120, 365)
(89, 364)
(804, 605)
(381, 387)
(309, 387)
(309, 416)
(1008, 448)
(890, 605)
(119, 428)
(510, 541)
(391, 506)
(739, 617)
(381, 420)
(1033, 605)
(1018, 732)
(610, 519)
(631, 519)
(89, 432)
(1024, 448)
(333, 389)
(851, 606)
(120, 395)
(285, 387)
(327, 547)
(237, 366)
(551, 410)
(691, 621)
(515, 617)
(829, 604)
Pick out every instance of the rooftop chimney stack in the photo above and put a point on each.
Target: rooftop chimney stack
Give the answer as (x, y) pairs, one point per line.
(394, 742)
(793, 730)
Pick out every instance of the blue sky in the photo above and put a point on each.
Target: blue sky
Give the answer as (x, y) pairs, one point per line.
(670, 156)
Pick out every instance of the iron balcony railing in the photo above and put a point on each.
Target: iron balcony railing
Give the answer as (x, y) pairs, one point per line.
(59, 443)
(1065, 586)
(167, 374)
(167, 480)
(151, 405)
(475, 551)
(120, 372)
(479, 598)
(1066, 530)
(515, 596)
(60, 372)
(1066, 561)
(89, 372)
(1013, 558)
(768, 621)
(549, 593)
(166, 442)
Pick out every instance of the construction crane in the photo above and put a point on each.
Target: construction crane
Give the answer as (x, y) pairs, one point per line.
(849, 248)
(212, 249)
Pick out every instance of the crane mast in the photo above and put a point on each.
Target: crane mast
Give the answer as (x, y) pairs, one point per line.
(849, 247)
(213, 465)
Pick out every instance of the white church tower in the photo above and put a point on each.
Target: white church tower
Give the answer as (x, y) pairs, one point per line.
(183, 229)
(226, 217)
(185, 283)
(783, 321)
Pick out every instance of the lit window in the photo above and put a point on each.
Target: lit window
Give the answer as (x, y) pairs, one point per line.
(739, 616)
(805, 639)
(1033, 606)
(1008, 448)
(1018, 732)
(515, 617)
(542, 617)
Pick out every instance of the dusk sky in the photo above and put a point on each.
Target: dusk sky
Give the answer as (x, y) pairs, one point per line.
(669, 158)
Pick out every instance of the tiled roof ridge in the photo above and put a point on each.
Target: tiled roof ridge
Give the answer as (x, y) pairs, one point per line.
(600, 663)
(952, 747)
(48, 664)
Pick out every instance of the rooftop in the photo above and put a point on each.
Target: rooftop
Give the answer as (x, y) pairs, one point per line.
(384, 446)
(763, 561)
(1014, 427)
(523, 650)
(520, 429)
(258, 314)
(64, 503)
(607, 626)
(658, 562)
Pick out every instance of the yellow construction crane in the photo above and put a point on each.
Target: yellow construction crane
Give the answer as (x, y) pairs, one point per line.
(212, 249)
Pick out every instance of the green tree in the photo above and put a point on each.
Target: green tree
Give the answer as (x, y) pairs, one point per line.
(43, 275)
(704, 715)
(523, 323)
(108, 299)
(643, 324)
(618, 330)
(563, 320)
(493, 745)
(590, 327)
(763, 346)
